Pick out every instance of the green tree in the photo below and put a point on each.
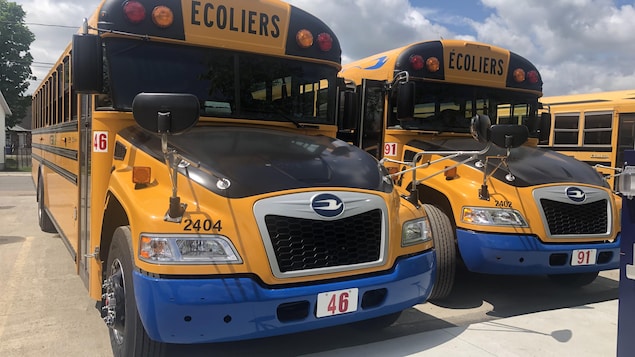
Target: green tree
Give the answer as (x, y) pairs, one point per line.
(15, 60)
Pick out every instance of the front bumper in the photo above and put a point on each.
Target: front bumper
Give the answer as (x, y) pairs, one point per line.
(226, 309)
(508, 254)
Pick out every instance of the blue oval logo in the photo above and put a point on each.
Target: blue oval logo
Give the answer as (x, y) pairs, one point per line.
(576, 194)
(327, 205)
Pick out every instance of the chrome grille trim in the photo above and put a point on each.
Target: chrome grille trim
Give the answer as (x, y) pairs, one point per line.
(596, 205)
(298, 206)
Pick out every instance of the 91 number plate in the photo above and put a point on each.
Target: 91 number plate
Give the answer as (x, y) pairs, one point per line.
(337, 302)
(583, 256)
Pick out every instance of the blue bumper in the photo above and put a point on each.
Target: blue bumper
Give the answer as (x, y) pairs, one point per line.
(226, 309)
(526, 255)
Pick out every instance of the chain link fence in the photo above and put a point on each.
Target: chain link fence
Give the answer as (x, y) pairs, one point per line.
(17, 159)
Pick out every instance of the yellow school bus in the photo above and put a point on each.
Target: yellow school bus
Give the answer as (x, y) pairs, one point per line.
(593, 127)
(185, 152)
(514, 208)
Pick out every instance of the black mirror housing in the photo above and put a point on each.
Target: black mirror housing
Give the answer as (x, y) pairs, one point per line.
(405, 100)
(479, 128)
(508, 136)
(87, 64)
(170, 113)
(544, 128)
(349, 114)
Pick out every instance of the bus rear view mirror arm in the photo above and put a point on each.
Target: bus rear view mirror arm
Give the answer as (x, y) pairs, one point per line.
(504, 136)
(167, 114)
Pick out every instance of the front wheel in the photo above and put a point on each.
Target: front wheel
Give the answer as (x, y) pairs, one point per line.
(445, 249)
(128, 337)
(575, 280)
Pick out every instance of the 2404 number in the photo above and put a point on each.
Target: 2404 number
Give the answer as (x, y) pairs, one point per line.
(202, 224)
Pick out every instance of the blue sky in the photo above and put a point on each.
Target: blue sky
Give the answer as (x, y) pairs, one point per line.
(579, 46)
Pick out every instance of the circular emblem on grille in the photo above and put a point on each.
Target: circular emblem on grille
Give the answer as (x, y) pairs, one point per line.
(576, 194)
(327, 205)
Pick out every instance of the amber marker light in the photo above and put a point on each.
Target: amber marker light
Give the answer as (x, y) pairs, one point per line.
(141, 175)
(162, 16)
(304, 38)
(432, 64)
(519, 75)
(134, 11)
(451, 174)
(145, 241)
(393, 170)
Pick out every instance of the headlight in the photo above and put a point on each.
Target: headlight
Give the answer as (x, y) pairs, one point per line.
(166, 249)
(415, 231)
(493, 216)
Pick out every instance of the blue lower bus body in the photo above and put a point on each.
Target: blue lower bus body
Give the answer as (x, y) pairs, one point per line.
(225, 309)
(509, 254)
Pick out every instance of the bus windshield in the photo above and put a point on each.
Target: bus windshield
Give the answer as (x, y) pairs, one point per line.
(228, 84)
(449, 108)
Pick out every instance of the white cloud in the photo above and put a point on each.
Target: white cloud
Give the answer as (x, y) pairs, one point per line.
(365, 27)
(578, 45)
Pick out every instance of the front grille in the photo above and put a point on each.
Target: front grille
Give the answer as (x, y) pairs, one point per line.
(579, 219)
(303, 244)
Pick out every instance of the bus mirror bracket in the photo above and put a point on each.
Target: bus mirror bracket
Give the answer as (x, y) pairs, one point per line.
(168, 114)
(502, 135)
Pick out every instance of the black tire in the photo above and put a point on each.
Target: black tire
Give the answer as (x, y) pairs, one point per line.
(46, 224)
(128, 337)
(574, 280)
(377, 323)
(445, 247)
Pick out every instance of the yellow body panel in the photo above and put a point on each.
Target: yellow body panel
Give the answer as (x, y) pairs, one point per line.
(619, 104)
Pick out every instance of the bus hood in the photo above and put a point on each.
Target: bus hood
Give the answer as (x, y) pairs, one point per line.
(258, 160)
(530, 165)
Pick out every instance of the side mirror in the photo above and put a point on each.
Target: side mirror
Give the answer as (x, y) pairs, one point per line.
(479, 128)
(508, 136)
(545, 128)
(165, 113)
(405, 100)
(87, 64)
(348, 119)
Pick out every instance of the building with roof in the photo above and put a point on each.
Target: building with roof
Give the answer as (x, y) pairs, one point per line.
(4, 111)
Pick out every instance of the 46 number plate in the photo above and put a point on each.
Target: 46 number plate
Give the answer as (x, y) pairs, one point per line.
(337, 302)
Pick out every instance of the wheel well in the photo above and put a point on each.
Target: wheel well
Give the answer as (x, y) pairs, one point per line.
(429, 195)
(114, 216)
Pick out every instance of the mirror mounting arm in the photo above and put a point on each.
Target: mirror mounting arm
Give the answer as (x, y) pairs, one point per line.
(172, 160)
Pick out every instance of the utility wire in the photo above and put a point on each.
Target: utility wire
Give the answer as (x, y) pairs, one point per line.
(39, 24)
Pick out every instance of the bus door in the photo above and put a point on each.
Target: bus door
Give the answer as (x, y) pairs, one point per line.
(371, 130)
(85, 149)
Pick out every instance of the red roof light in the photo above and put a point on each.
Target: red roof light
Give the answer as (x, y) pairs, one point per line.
(416, 62)
(533, 77)
(134, 11)
(325, 41)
